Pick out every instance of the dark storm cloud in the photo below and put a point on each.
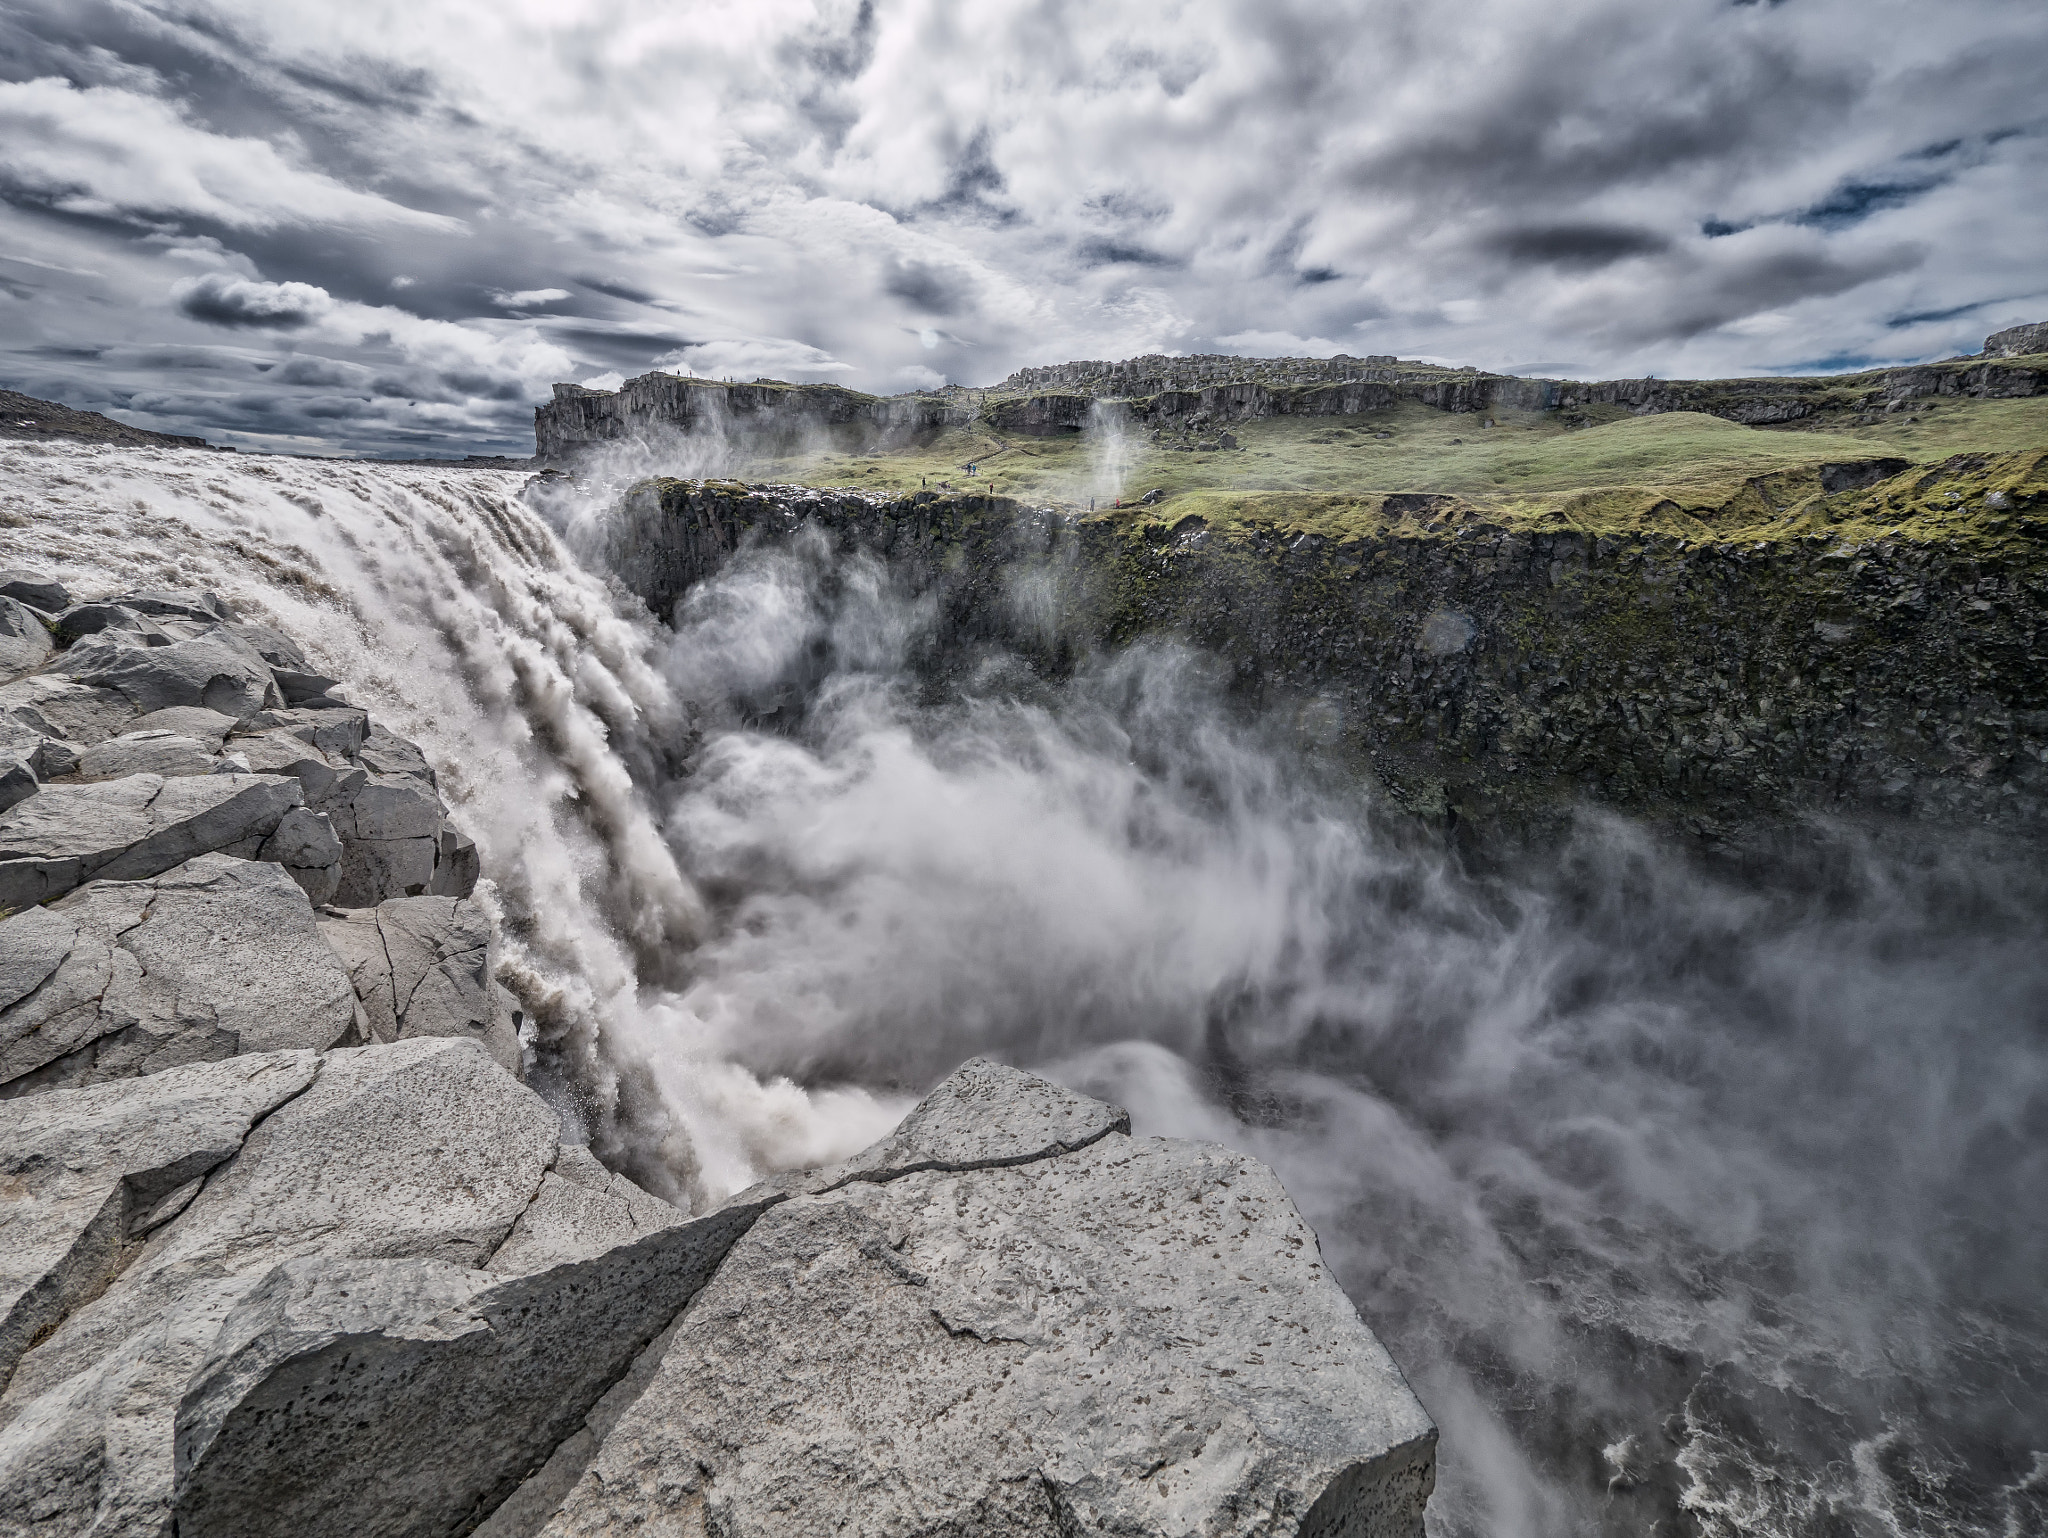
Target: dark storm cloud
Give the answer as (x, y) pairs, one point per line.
(927, 289)
(889, 193)
(219, 300)
(1579, 247)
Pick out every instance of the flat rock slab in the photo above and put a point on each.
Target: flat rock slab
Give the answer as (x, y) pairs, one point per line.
(983, 1115)
(216, 957)
(128, 829)
(86, 1175)
(62, 707)
(423, 1150)
(1137, 1338)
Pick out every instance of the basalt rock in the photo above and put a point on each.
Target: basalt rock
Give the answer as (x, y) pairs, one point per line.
(128, 829)
(218, 957)
(1494, 677)
(767, 413)
(1010, 1318)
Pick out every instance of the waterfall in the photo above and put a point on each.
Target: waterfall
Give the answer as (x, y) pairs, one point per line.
(1675, 1190)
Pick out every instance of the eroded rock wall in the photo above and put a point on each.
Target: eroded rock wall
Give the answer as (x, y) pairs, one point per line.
(1498, 677)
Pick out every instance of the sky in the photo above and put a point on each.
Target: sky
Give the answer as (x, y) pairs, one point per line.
(386, 229)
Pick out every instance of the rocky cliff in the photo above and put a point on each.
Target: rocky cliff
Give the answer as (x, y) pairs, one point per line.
(287, 1247)
(768, 412)
(1491, 675)
(1160, 391)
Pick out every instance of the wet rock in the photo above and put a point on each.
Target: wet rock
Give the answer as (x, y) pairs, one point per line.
(422, 966)
(88, 1175)
(423, 1150)
(37, 591)
(178, 603)
(133, 828)
(274, 647)
(214, 670)
(218, 957)
(115, 621)
(298, 687)
(25, 644)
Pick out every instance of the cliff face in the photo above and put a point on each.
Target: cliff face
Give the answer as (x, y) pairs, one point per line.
(1159, 391)
(1753, 402)
(1497, 676)
(655, 405)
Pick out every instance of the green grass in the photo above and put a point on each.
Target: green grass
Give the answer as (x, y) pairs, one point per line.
(1601, 469)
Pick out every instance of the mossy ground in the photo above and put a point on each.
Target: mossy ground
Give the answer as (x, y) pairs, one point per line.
(1600, 469)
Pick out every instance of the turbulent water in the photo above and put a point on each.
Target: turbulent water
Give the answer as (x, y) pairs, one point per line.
(1690, 1201)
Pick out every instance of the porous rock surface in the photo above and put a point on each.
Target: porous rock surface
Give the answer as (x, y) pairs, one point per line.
(287, 1247)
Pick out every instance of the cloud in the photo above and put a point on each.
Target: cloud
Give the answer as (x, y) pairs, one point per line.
(527, 298)
(112, 152)
(757, 357)
(826, 189)
(220, 300)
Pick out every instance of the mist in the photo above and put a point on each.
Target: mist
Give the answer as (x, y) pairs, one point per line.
(1692, 1197)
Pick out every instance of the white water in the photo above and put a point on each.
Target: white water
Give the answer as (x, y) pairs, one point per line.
(1570, 1139)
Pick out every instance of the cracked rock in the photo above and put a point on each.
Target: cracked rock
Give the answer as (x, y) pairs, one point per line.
(90, 1174)
(132, 828)
(216, 957)
(422, 966)
(419, 1151)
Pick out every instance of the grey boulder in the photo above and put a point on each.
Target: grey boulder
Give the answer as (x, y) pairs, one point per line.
(17, 778)
(178, 603)
(1138, 1337)
(215, 669)
(423, 1150)
(207, 727)
(89, 1175)
(37, 591)
(581, 1210)
(422, 966)
(122, 625)
(128, 829)
(1012, 1318)
(306, 847)
(55, 706)
(217, 957)
(25, 644)
(378, 792)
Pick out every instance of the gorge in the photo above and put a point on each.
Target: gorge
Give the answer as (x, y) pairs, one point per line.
(1618, 925)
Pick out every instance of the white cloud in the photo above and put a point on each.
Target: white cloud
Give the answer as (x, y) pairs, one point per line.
(756, 357)
(527, 298)
(108, 151)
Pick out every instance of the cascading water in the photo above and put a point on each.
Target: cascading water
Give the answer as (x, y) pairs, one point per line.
(1689, 1202)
